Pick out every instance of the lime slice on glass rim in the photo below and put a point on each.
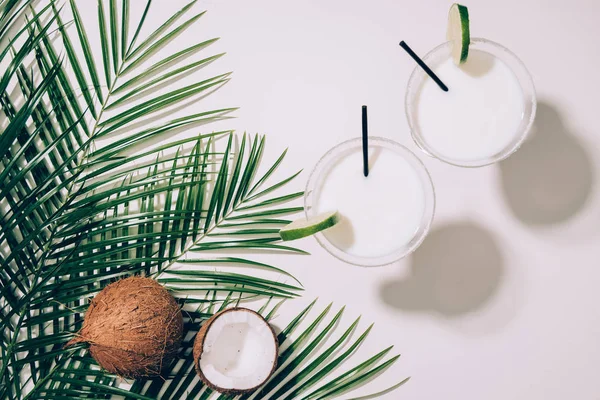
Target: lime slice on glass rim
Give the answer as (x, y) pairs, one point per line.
(459, 32)
(307, 227)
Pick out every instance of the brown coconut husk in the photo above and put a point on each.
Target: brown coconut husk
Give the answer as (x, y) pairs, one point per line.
(199, 347)
(134, 328)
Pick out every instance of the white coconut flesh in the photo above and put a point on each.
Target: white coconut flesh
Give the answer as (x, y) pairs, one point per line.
(239, 351)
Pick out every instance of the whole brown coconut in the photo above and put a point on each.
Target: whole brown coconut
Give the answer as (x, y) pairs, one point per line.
(134, 327)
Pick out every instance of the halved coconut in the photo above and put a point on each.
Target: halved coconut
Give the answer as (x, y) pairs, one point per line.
(235, 351)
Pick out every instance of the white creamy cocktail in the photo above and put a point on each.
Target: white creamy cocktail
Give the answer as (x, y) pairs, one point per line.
(384, 216)
(486, 113)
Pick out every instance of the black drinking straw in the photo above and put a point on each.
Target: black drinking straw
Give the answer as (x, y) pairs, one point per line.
(365, 141)
(422, 65)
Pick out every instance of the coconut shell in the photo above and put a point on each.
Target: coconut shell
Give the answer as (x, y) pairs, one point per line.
(199, 346)
(134, 328)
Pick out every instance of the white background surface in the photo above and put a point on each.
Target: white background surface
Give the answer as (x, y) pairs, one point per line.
(501, 301)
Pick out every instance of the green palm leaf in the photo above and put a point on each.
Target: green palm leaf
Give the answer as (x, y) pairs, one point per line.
(87, 51)
(292, 379)
(87, 204)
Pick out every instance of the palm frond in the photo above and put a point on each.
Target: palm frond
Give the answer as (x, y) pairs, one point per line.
(88, 198)
(304, 370)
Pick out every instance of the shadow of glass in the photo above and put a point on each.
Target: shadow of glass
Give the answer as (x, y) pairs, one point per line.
(457, 269)
(551, 177)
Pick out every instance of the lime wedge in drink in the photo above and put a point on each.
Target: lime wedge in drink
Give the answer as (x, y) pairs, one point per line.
(458, 32)
(306, 227)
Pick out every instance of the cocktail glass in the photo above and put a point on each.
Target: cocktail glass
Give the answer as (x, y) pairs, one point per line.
(386, 215)
(484, 117)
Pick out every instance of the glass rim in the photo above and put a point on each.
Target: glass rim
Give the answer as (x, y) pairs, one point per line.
(428, 212)
(526, 83)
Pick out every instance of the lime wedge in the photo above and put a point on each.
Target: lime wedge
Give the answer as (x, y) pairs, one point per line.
(458, 32)
(306, 227)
